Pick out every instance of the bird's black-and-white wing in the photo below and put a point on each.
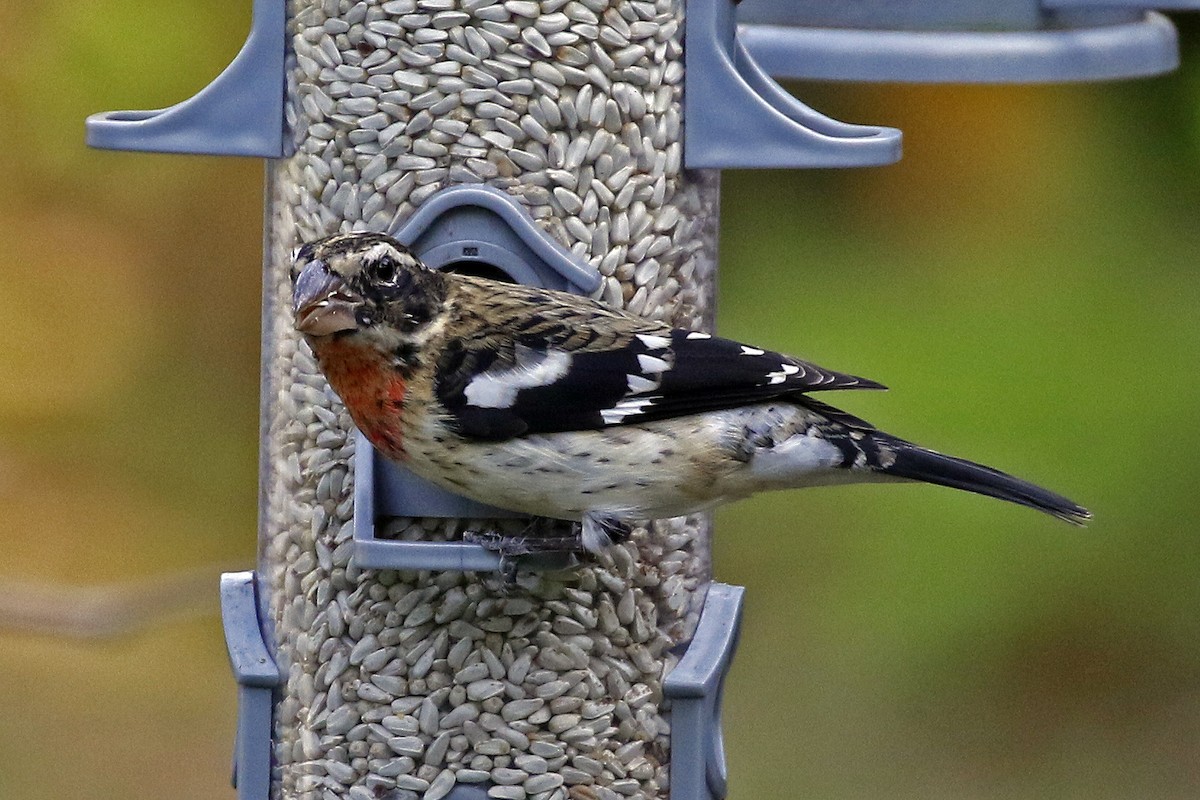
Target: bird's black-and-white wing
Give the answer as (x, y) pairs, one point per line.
(532, 384)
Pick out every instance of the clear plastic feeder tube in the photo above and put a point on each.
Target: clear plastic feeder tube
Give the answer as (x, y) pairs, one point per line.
(406, 683)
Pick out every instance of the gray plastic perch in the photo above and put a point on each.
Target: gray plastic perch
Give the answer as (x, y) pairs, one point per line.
(239, 114)
(257, 678)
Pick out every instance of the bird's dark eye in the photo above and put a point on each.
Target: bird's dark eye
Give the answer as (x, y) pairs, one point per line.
(384, 270)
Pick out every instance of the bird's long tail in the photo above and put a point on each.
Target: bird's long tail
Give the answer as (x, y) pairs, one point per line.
(901, 459)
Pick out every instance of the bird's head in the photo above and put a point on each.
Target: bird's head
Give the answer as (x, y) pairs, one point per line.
(363, 283)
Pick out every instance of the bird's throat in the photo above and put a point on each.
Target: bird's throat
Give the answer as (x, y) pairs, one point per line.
(370, 387)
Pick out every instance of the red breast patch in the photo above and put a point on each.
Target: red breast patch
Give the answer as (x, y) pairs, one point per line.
(371, 389)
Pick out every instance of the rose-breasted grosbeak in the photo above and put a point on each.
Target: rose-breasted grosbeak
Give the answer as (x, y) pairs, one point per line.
(558, 406)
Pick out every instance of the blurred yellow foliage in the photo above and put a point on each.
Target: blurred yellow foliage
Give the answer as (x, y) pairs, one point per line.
(82, 325)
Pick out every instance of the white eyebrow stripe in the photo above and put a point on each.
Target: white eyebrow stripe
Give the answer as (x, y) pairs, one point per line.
(379, 251)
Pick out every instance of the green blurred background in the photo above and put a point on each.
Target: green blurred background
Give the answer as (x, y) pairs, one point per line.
(1025, 280)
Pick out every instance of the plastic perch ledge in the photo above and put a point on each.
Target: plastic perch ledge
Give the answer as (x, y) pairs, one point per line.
(239, 114)
(736, 116)
(257, 678)
(998, 41)
(471, 224)
(694, 687)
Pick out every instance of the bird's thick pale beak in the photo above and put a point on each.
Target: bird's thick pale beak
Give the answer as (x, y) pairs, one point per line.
(322, 302)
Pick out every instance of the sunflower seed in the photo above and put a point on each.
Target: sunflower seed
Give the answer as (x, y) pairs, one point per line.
(534, 38)
(505, 776)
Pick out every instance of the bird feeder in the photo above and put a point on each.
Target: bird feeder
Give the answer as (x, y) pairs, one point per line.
(572, 144)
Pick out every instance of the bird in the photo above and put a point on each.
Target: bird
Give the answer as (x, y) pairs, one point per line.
(558, 406)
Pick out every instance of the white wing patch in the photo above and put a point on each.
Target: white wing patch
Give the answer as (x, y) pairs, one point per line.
(699, 335)
(752, 351)
(781, 376)
(640, 385)
(654, 342)
(498, 388)
(634, 405)
(652, 364)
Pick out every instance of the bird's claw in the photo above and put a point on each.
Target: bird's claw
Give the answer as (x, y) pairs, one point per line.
(530, 549)
(524, 544)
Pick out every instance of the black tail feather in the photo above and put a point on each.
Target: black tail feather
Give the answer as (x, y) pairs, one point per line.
(918, 464)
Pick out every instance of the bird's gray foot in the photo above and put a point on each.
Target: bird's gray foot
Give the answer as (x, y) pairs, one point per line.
(541, 535)
(540, 545)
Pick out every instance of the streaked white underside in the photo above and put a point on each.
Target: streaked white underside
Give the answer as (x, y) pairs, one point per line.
(794, 457)
(612, 472)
